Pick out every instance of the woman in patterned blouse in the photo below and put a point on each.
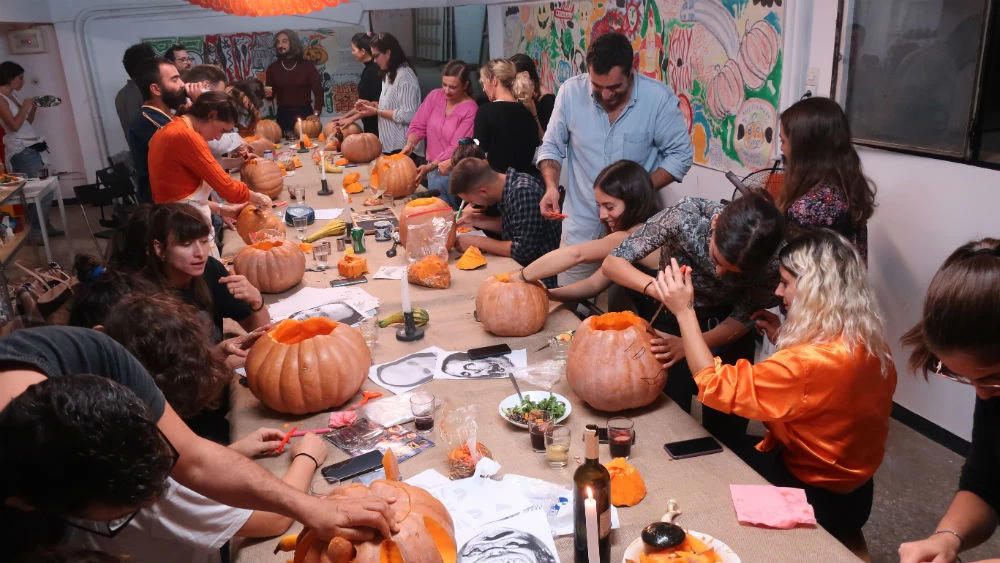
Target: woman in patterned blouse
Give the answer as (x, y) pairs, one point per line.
(400, 96)
(824, 185)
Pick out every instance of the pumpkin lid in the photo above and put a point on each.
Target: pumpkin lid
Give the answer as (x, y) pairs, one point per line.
(423, 201)
(502, 278)
(291, 331)
(614, 321)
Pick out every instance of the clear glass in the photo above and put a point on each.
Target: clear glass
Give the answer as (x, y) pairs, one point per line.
(538, 424)
(422, 407)
(321, 253)
(300, 224)
(909, 73)
(299, 194)
(322, 486)
(621, 432)
(557, 439)
(369, 329)
(388, 200)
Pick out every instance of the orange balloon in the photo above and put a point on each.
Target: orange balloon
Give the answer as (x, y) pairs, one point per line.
(332, 3)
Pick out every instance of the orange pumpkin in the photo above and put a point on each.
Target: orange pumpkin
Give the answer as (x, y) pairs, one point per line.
(330, 130)
(262, 176)
(252, 219)
(430, 271)
(351, 266)
(396, 174)
(311, 125)
(509, 307)
(271, 266)
(422, 210)
(610, 365)
(260, 145)
(364, 147)
(307, 366)
(333, 132)
(268, 129)
(351, 129)
(315, 54)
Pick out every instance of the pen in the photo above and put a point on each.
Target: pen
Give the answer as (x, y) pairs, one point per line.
(284, 441)
(458, 215)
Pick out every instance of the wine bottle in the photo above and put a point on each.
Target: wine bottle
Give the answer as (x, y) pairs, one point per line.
(591, 506)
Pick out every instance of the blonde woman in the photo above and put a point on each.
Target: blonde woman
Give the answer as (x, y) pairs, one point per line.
(506, 129)
(825, 395)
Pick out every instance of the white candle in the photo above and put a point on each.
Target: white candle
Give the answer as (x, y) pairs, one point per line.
(406, 299)
(590, 510)
(322, 166)
(302, 133)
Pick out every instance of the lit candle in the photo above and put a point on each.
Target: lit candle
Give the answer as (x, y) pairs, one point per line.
(322, 166)
(590, 510)
(407, 309)
(302, 133)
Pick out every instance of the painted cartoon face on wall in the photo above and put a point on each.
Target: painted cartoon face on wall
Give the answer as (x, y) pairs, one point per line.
(543, 15)
(505, 544)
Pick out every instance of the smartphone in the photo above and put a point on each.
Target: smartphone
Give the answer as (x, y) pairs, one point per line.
(692, 448)
(488, 351)
(351, 468)
(602, 435)
(348, 281)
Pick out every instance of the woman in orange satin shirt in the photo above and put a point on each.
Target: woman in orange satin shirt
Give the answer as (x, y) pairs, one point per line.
(825, 396)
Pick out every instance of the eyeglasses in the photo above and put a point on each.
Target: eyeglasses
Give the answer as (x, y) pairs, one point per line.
(468, 141)
(183, 59)
(112, 528)
(991, 382)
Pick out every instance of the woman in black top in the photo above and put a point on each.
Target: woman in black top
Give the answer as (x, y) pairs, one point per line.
(506, 129)
(370, 85)
(538, 104)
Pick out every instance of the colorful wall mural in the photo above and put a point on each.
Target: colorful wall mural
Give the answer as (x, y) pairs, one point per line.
(722, 58)
(245, 55)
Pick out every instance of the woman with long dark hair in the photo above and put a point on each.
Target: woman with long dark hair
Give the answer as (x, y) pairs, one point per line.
(400, 96)
(824, 185)
(369, 86)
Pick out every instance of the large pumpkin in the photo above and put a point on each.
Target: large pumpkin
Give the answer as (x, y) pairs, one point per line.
(262, 176)
(426, 531)
(307, 366)
(311, 125)
(364, 147)
(396, 174)
(272, 266)
(509, 307)
(351, 129)
(422, 210)
(253, 219)
(758, 54)
(725, 91)
(610, 364)
(268, 129)
(260, 145)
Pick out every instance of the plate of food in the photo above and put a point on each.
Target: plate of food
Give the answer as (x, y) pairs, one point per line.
(696, 547)
(515, 411)
(8, 180)
(47, 101)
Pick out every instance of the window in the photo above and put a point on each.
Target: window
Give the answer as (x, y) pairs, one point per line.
(923, 76)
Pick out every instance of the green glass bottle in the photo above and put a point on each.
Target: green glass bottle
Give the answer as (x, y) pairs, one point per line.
(591, 499)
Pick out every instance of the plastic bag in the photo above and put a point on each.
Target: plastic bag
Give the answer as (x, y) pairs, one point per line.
(543, 375)
(458, 431)
(427, 252)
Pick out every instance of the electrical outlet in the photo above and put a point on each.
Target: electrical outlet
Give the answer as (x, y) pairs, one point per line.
(812, 77)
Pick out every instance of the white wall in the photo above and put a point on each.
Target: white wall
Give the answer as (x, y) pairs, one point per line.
(26, 11)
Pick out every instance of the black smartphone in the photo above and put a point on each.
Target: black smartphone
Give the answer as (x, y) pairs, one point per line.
(602, 435)
(348, 281)
(692, 448)
(351, 468)
(488, 351)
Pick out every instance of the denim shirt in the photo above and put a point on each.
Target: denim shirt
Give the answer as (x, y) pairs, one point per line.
(650, 131)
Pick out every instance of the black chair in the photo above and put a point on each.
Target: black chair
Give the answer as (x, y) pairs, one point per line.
(113, 188)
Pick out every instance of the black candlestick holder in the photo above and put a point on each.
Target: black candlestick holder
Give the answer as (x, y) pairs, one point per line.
(302, 147)
(409, 332)
(325, 190)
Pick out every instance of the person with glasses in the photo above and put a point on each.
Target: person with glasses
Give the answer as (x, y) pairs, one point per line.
(178, 55)
(400, 96)
(825, 396)
(100, 463)
(957, 338)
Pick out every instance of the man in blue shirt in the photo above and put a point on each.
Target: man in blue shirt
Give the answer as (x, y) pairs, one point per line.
(610, 113)
(163, 92)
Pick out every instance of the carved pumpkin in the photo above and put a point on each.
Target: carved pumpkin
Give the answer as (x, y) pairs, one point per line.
(252, 219)
(268, 129)
(509, 307)
(364, 147)
(430, 271)
(316, 55)
(272, 266)
(262, 176)
(311, 125)
(260, 145)
(307, 366)
(422, 210)
(396, 174)
(610, 365)
(725, 91)
(758, 54)
(332, 131)
(351, 266)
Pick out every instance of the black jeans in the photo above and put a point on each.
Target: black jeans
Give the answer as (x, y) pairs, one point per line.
(286, 116)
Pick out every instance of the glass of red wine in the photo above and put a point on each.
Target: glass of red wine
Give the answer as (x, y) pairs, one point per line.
(538, 423)
(621, 433)
(422, 407)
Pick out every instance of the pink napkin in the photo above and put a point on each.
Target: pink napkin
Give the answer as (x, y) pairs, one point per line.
(774, 507)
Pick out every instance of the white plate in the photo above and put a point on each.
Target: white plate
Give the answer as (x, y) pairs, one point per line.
(725, 553)
(535, 395)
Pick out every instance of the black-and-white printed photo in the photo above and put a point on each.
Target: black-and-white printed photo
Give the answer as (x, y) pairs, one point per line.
(505, 545)
(408, 371)
(339, 312)
(459, 364)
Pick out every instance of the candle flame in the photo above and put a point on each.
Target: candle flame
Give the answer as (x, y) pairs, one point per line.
(590, 493)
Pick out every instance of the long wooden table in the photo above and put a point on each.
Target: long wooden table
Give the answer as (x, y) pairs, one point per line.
(701, 485)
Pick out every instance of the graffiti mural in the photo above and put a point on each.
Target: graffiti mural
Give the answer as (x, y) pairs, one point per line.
(721, 57)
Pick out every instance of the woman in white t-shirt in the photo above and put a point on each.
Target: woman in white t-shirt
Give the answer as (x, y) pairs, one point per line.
(23, 146)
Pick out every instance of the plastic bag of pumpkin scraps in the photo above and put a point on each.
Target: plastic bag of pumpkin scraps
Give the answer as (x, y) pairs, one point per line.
(427, 251)
(459, 432)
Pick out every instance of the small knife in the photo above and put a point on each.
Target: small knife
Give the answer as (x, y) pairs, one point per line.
(516, 388)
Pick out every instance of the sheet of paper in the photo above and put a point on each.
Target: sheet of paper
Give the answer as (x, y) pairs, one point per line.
(457, 365)
(327, 214)
(312, 297)
(406, 373)
(476, 502)
(389, 273)
(556, 501)
(522, 537)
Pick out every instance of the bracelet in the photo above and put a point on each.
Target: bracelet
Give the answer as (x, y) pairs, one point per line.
(647, 286)
(521, 273)
(952, 532)
(309, 456)
(253, 310)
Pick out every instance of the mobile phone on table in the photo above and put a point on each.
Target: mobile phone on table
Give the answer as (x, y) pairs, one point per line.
(351, 468)
(692, 448)
(348, 281)
(602, 435)
(488, 351)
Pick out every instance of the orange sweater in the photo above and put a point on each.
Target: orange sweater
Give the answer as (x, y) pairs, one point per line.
(179, 160)
(829, 410)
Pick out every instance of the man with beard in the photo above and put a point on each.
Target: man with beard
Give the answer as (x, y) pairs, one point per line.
(163, 92)
(291, 80)
(178, 55)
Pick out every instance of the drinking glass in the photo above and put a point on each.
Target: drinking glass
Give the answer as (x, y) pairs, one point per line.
(557, 446)
(321, 252)
(300, 224)
(422, 407)
(621, 432)
(322, 486)
(388, 200)
(300, 194)
(538, 423)
(369, 329)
